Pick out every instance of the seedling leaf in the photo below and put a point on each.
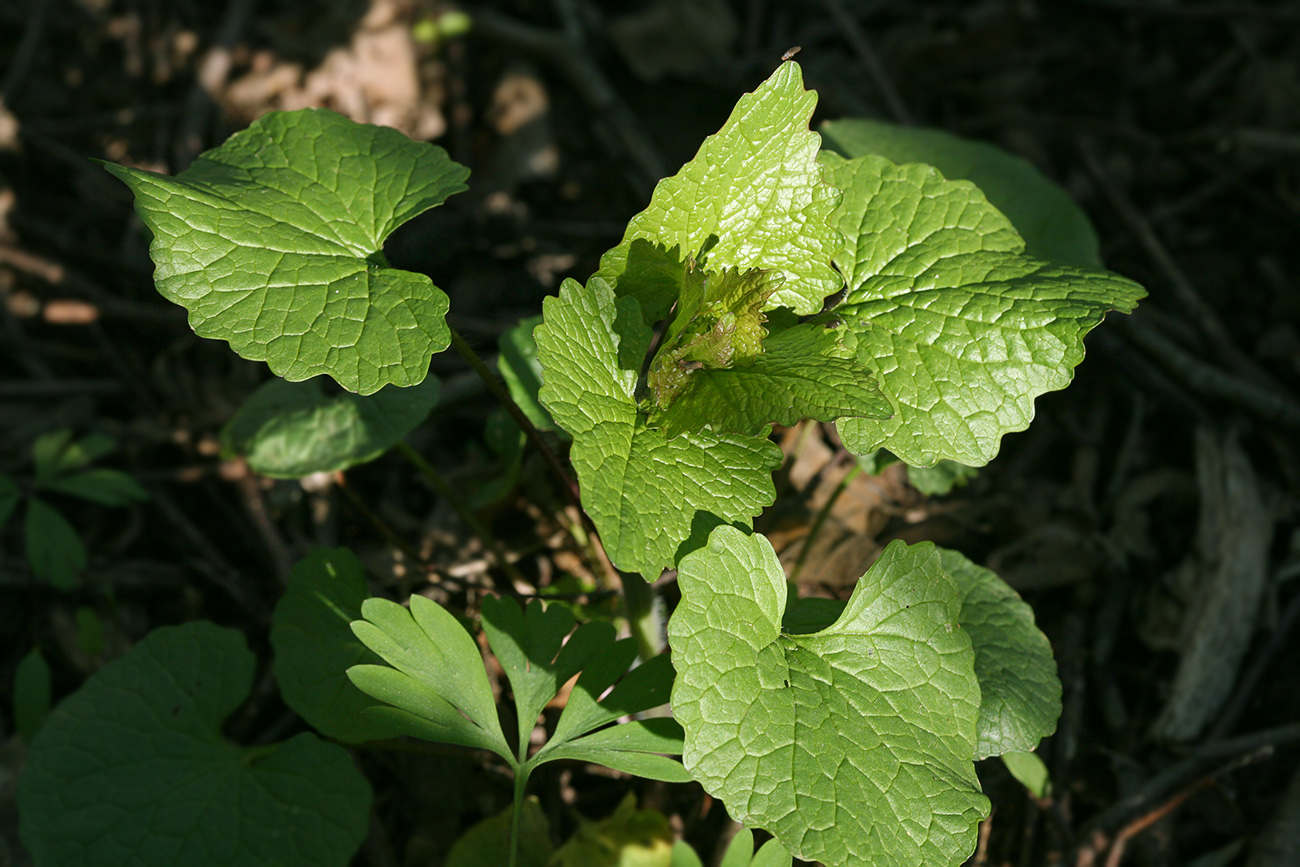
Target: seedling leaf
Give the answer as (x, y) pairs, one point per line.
(962, 329)
(646, 492)
(437, 688)
(314, 645)
(756, 188)
(853, 745)
(1053, 226)
(274, 242)
(1020, 694)
(287, 430)
(54, 549)
(132, 769)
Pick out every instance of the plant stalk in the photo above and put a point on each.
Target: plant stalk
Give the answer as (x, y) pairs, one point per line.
(517, 811)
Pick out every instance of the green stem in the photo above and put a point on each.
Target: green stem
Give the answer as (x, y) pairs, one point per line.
(445, 490)
(642, 618)
(499, 391)
(516, 813)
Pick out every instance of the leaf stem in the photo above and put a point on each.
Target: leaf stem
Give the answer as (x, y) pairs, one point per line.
(502, 394)
(642, 617)
(517, 811)
(445, 490)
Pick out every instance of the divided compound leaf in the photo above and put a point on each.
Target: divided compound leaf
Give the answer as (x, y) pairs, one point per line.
(756, 188)
(532, 648)
(1020, 694)
(962, 329)
(434, 685)
(54, 550)
(853, 745)
(132, 768)
(646, 492)
(1054, 227)
(274, 243)
(288, 430)
(312, 637)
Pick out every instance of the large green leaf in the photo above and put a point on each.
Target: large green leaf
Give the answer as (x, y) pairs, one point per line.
(756, 188)
(274, 243)
(646, 492)
(1053, 226)
(1020, 694)
(962, 329)
(292, 429)
(312, 637)
(132, 769)
(853, 745)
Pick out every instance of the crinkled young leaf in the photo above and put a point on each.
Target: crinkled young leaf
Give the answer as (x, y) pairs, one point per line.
(54, 550)
(312, 637)
(287, 430)
(436, 687)
(274, 243)
(647, 493)
(962, 329)
(755, 185)
(852, 745)
(1020, 694)
(132, 769)
(803, 372)
(1053, 226)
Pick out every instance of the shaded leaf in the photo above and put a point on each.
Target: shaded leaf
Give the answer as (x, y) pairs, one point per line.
(132, 769)
(287, 430)
(54, 550)
(311, 634)
(32, 694)
(487, 844)
(104, 486)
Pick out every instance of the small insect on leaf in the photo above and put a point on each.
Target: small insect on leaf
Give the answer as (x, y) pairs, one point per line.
(790, 52)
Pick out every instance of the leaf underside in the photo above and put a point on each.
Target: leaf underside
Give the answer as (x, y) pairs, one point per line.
(274, 243)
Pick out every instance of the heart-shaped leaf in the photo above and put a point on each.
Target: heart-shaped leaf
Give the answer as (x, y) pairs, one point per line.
(132, 769)
(274, 243)
(853, 745)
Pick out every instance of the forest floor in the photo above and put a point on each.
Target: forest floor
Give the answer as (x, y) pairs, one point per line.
(1128, 514)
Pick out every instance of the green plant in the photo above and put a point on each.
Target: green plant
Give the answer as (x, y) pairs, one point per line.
(61, 465)
(850, 734)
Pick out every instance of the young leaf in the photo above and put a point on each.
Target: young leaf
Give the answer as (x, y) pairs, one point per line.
(741, 852)
(287, 430)
(940, 479)
(436, 688)
(1053, 226)
(647, 493)
(853, 745)
(274, 243)
(104, 486)
(312, 637)
(132, 768)
(802, 372)
(628, 838)
(1020, 695)
(962, 329)
(487, 844)
(756, 187)
(1029, 769)
(56, 453)
(54, 550)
